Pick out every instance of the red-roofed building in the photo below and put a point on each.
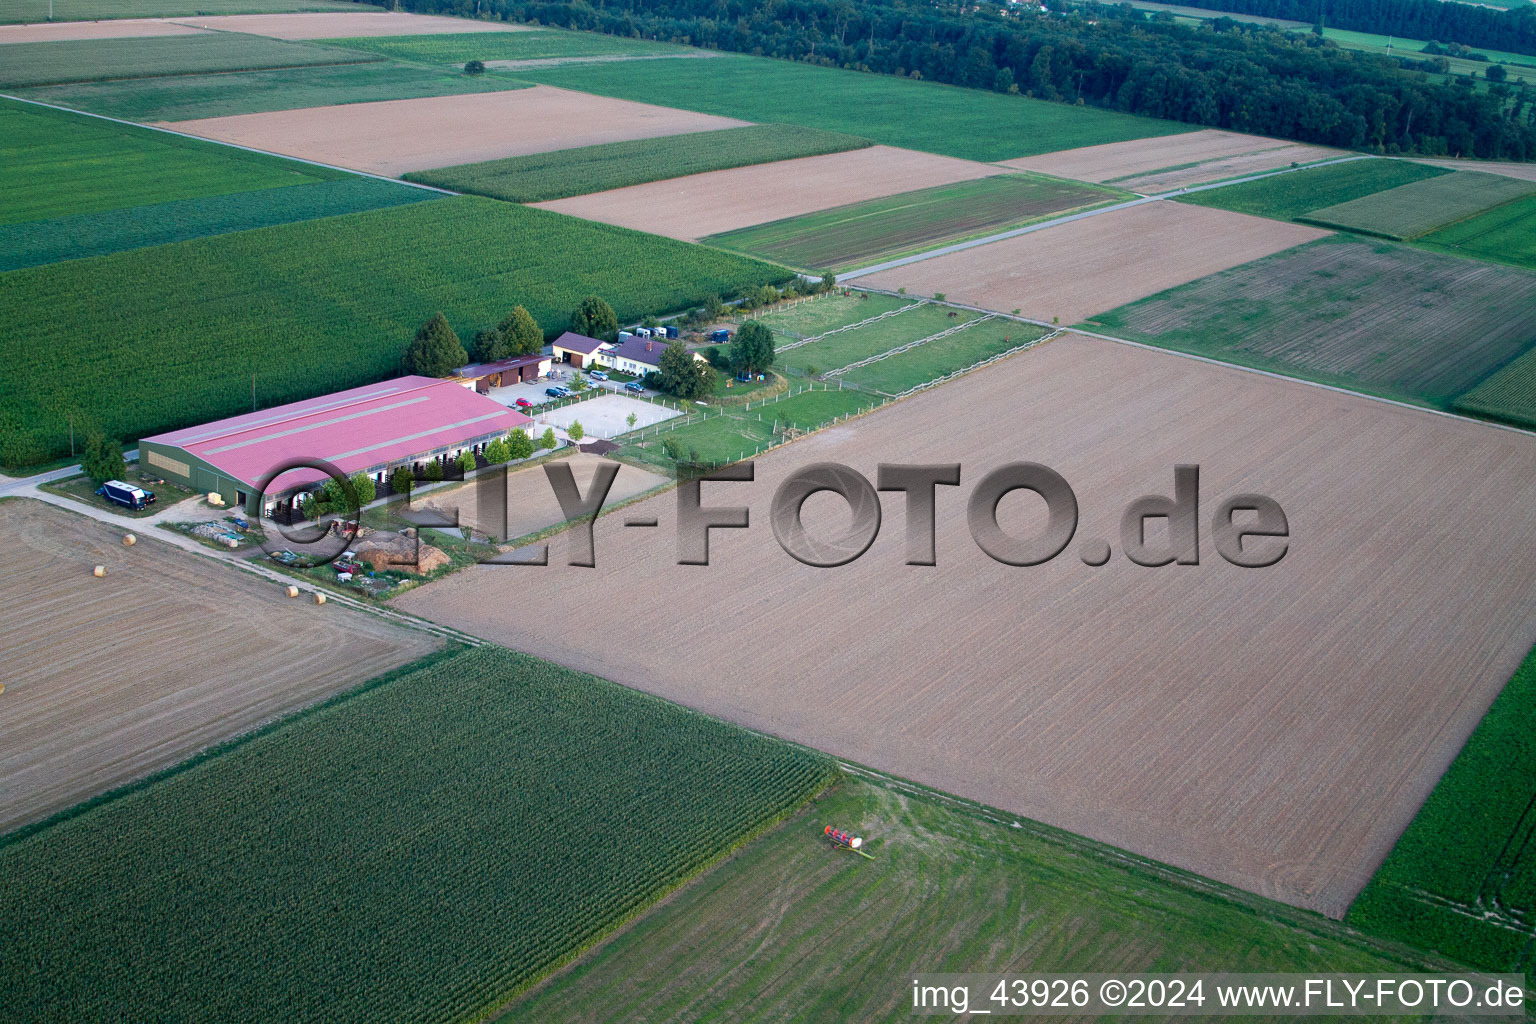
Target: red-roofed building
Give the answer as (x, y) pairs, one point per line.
(374, 429)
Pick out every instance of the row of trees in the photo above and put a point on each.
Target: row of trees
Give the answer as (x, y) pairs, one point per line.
(436, 351)
(1221, 74)
(1465, 23)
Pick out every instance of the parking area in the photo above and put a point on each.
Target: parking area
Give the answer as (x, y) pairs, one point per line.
(607, 415)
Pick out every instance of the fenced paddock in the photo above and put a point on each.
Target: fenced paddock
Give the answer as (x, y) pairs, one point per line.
(607, 415)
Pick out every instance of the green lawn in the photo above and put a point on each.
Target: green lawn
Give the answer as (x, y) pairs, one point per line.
(100, 10)
(1377, 317)
(1462, 879)
(1504, 235)
(185, 97)
(850, 346)
(970, 123)
(793, 929)
(55, 164)
(934, 359)
(1297, 193)
(1420, 207)
(459, 48)
(93, 60)
(738, 432)
(574, 172)
(418, 849)
(135, 227)
(826, 312)
(157, 338)
(861, 234)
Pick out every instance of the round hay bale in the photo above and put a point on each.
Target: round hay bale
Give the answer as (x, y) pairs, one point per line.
(292, 591)
(129, 540)
(232, 543)
(319, 598)
(99, 571)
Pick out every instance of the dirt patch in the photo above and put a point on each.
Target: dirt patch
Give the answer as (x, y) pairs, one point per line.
(110, 679)
(347, 25)
(705, 204)
(1075, 270)
(1271, 728)
(395, 136)
(126, 28)
(1139, 159)
(606, 415)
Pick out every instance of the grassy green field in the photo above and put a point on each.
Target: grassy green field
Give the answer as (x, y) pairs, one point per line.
(1508, 395)
(176, 331)
(1419, 207)
(935, 359)
(1297, 193)
(829, 311)
(97, 234)
(737, 432)
(844, 347)
(1377, 317)
(99, 10)
(55, 164)
(1503, 235)
(1462, 879)
(970, 123)
(574, 172)
(184, 97)
(860, 234)
(544, 44)
(416, 850)
(792, 929)
(93, 60)
(1519, 65)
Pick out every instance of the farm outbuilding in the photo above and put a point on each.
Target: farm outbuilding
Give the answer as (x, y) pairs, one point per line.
(503, 372)
(407, 421)
(577, 349)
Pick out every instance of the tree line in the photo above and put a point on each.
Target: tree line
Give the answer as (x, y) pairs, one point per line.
(1465, 23)
(1220, 74)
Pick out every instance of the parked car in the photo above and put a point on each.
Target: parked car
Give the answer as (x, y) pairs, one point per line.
(126, 495)
(598, 375)
(556, 392)
(523, 403)
(634, 387)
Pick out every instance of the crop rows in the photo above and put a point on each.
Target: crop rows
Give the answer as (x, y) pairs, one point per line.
(574, 172)
(1504, 235)
(176, 332)
(417, 851)
(54, 164)
(1420, 207)
(97, 234)
(1508, 395)
(1462, 879)
(86, 60)
(1288, 196)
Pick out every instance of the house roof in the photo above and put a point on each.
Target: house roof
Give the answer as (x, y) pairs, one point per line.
(573, 342)
(640, 349)
(376, 425)
(499, 366)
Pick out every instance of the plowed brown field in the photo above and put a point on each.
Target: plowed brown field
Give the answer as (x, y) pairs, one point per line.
(1271, 728)
(705, 204)
(110, 679)
(126, 28)
(1148, 165)
(395, 136)
(1075, 270)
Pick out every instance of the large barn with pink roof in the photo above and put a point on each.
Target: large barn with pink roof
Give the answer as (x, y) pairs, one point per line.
(373, 430)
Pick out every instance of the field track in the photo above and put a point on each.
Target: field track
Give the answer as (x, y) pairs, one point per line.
(395, 136)
(707, 204)
(1075, 270)
(110, 679)
(1271, 728)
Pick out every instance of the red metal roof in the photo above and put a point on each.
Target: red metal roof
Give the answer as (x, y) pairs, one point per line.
(377, 425)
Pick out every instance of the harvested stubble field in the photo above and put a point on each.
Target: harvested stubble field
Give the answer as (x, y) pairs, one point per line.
(93, 60)
(934, 359)
(108, 680)
(1420, 207)
(193, 97)
(417, 850)
(1288, 196)
(396, 136)
(126, 28)
(573, 172)
(1075, 270)
(707, 204)
(335, 24)
(1379, 317)
(864, 233)
(1274, 729)
(850, 346)
(1173, 161)
(1504, 235)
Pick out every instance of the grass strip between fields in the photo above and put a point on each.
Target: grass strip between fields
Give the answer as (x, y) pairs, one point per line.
(573, 172)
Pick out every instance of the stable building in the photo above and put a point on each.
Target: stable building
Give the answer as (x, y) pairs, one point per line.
(374, 430)
(504, 372)
(578, 349)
